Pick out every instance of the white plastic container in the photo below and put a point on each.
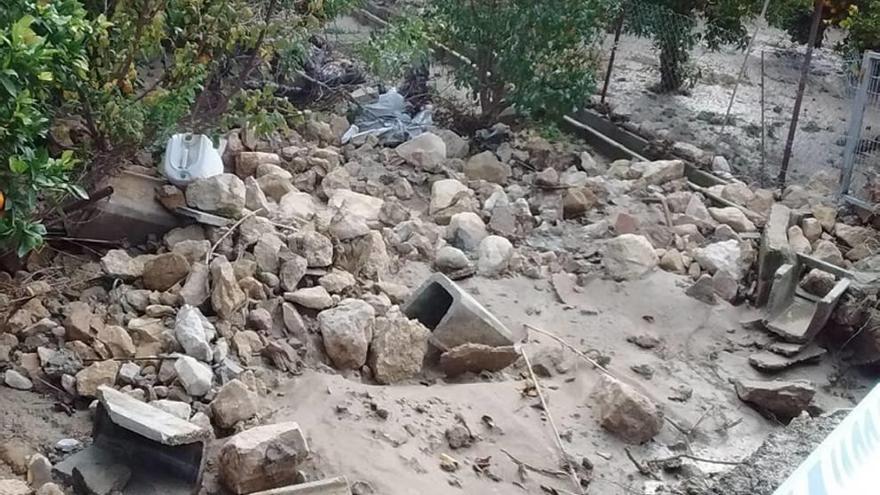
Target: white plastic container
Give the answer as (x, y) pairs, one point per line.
(191, 156)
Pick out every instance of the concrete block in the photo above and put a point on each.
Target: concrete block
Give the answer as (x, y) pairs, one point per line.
(791, 315)
(330, 486)
(455, 317)
(774, 251)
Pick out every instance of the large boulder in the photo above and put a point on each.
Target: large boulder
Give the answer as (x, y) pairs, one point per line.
(223, 194)
(486, 166)
(426, 151)
(448, 197)
(353, 203)
(347, 331)
(398, 348)
(724, 255)
(456, 146)
(466, 230)
(296, 205)
(493, 255)
(262, 458)
(784, 400)
(828, 252)
(629, 257)
(195, 376)
(626, 412)
(98, 373)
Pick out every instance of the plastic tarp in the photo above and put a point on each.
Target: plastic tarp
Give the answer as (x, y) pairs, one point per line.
(387, 119)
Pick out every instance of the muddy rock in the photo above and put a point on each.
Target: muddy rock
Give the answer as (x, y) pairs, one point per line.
(347, 331)
(314, 247)
(853, 236)
(798, 241)
(227, 297)
(398, 348)
(672, 261)
(450, 259)
(826, 215)
(494, 255)
(818, 282)
(458, 437)
(466, 231)
(266, 253)
(578, 201)
(99, 373)
(476, 358)
(117, 263)
(426, 151)
(629, 257)
(827, 251)
(659, 172)
(311, 297)
(448, 197)
(352, 203)
(345, 227)
(626, 412)
(117, 341)
(337, 281)
(196, 289)
(733, 217)
(297, 206)
(223, 194)
(738, 193)
(234, 403)
(62, 362)
(812, 229)
(784, 400)
(195, 377)
(39, 471)
(194, 333)
(16, 380)
(703, 289)
(262, 458)
(486, 166)
(456, 146)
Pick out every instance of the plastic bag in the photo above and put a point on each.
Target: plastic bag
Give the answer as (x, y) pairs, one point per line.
(387, 119)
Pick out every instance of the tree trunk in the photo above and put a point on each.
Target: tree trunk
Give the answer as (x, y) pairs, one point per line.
(674, 56)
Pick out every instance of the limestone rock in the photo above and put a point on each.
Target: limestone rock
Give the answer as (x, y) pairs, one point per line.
(626, 412)
(314, 247)
(275, 185)
(255, 199)
(450, 259)
(578, 201)
(466, 231)
(14, 487)
(733, 217)
(266, 253)
(347, 226)
(798, 241)
(475, 358)
(629, 257)
(310, 297)
(297, 206)
(16, 380)
(192, 251)
(672, 261)
(233, 403)
(456, 146)
(703, 290)
(174, 407)
(818, 282)
(196, 289)
(117, 341)
(223, 194)
(227, 297)
(292, 271)
(827, 251)
(165, 270)
(196, 377)
(724, 255)
(353, 203)
(448, 197)
(194, 333)
(398, 348)
(426, 151)
(494, 255)
(826, 215)
(246, 162)
(738, 193)
(262, 458)
(337, 281)
(118, 264)
(486, 166)
(347, 330)
(812, 229)
(853, 236)
(98, 373)
(659, 172)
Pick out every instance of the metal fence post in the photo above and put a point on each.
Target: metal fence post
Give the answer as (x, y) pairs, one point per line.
(854, 131)
(617, 30)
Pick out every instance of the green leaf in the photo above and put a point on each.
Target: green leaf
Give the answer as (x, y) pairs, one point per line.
(78, 191)
(17, 165)
(45, 76)
(8, 85)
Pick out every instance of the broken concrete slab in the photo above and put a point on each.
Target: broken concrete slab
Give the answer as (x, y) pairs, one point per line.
(455, 317)
(784, 400)
(796, 318)
(771, 362)
(100, 479)
(262, 458)
(774, 251)
(148, 421)
(330, 486)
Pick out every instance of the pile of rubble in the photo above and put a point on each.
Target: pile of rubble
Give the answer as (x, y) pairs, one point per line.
(288, 270)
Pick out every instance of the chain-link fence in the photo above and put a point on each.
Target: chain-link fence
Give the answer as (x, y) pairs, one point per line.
(861, 160)
(645, 90)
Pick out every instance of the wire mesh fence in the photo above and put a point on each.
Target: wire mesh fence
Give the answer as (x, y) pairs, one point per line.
(861, 162)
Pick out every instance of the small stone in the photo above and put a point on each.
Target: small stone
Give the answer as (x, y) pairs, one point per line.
(459, 437)
(576, 202)
(39, 471)
(812, 229)
(311, 297)
(494, 255)
(99, 373)
(426, 151)
(50, 489)
(672, 261)
(196, 290)
(475, 358)
(262, 458)
(818, 282)
(724, 232)
(486, 166)
(703, 289)
(629, 257)
(785, 400)
(548, 177)
(222, 194)
(726, 287)
(449, 259)
(733, 217)
(194, 333)
(659, 172)
(232, 404)
(466, 231)
(337, 281)
(227, 297)
(118, 264)
(68, 445)
(17, 381)
(738, 193)
(828, 252)
(266, 253)
(798, 241)
(826, 215)
(314, 247)
(398, 348)
(347, 331)
(255, 199)
(78, 323)
(456, 146)
(247, 162)
(259, 319)
(448, 197)
(128, 373)
(720, 165)
(117, 341)
(352, 203)
(292, 271)
(626, 412)
(196, 377)
(644, 340)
